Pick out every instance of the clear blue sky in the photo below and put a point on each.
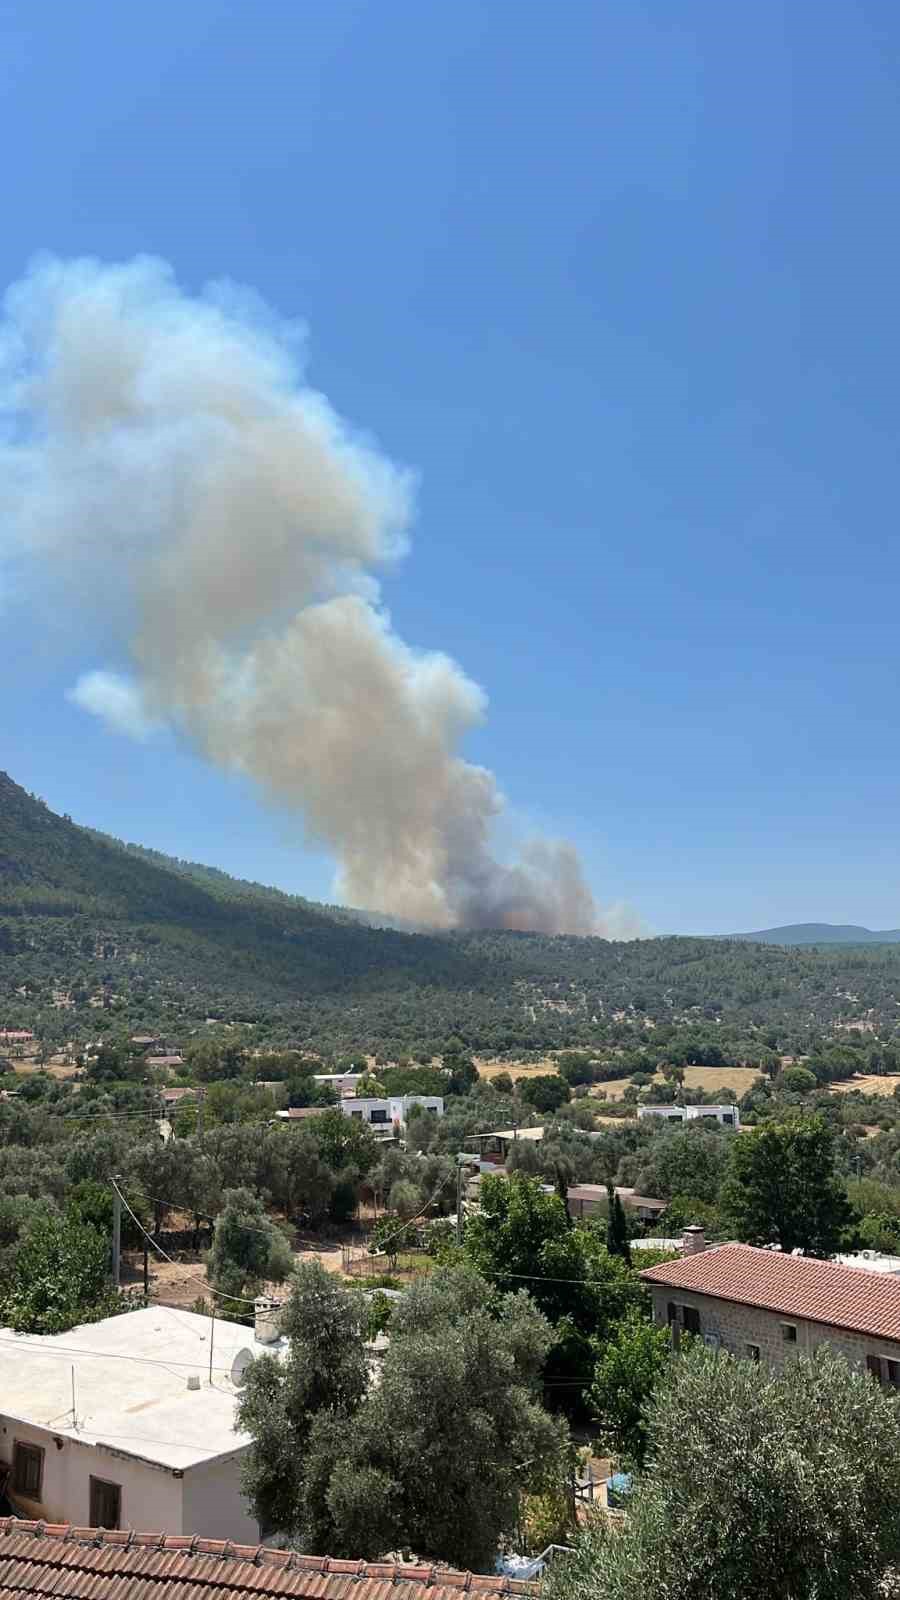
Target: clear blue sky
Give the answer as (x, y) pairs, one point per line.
(620, 281)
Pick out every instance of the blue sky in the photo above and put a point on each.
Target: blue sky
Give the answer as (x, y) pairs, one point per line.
(619, 282)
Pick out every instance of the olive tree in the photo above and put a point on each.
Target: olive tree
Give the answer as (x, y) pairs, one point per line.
(784, 1484)
(433, 1458)
(248, 1249)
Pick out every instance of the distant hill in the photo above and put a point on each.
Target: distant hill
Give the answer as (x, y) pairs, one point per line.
(819, 933)
(95, 933)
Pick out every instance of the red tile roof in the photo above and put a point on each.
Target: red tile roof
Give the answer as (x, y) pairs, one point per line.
(794, 1286)
(43, 1559)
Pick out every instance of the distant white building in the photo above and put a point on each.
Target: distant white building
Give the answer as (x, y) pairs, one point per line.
(389, 1117)
(116, 1424)
(341, 1082)
(872, 1261)
(727, 1116)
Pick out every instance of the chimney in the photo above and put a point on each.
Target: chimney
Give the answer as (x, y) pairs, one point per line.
(693, 1240)
(266, 1319)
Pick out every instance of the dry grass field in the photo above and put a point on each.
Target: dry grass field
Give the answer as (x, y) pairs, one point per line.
(516, 1069)
(737, 1079)
(869, 1084)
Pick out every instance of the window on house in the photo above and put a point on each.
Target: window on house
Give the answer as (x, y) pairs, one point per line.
(789, 1333)
(690, 1318)
(106, 1503)
(356, 1113)
(671, 1313)
(28, 1470)
(873, 1367)
(728, 1119)
(893, 1373)
(752, 1351)
(379, 1116)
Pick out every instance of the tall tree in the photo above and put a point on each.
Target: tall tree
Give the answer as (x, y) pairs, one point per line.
(442, 1449)
(783, 1484)
(248, 1249)
(781, 1187)
(324, 1374)
(628, 1369)
(616, 1226)
(60, 1277)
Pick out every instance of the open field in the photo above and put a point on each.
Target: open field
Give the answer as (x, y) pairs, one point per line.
(869, 1084)
(516, 1069)
(737, 1079)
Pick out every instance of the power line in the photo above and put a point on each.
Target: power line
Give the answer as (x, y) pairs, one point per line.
(206, 1287)
(208, 1216)
(64, 1351)
(405, 1225)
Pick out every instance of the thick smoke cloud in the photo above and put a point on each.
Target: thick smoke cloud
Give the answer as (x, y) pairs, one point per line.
(164, 463)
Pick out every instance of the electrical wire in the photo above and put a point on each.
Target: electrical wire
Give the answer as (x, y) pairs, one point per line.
(208, 1216)
(402, 1229)
(66, 1351)
(233, 1299)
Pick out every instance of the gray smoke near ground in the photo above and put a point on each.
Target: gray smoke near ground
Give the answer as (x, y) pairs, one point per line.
(164, 464)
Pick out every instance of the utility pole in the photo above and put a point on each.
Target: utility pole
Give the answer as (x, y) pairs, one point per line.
(199, 1112)
(117, 1234)
(464, 1159)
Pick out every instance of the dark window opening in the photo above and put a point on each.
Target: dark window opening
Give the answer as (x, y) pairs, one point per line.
(788, 1333)
(28, 1470)
(753, 1352)
(690, 1317)
(873, 1367)
(106, 1503)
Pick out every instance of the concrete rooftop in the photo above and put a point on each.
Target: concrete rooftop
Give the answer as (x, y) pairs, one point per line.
(131, 1384)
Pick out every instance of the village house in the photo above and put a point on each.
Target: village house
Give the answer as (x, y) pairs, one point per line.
(493, 1148)
(768, 1306)
(590, 1200)
(130, 1422)
(388, 1117)
(727, 1116)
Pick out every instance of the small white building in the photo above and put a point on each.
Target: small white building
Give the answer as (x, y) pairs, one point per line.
(727, 1116)
(118, 1424)
(387, 1118)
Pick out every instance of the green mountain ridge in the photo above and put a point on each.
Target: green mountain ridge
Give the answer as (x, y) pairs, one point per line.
(796, 933)
(96, 933)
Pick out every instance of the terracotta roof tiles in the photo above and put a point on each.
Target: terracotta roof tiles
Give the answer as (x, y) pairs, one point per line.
(68, 1563)
(794, 1286)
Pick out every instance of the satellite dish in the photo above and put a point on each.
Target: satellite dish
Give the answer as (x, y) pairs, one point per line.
(239, 1367)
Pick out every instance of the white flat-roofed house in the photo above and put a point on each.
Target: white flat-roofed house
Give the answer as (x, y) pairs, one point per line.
(388, 1117)
(117, 1424)
(727, 1115)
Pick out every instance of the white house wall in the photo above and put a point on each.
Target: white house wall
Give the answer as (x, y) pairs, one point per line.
(151, 1495)
(213, 1504)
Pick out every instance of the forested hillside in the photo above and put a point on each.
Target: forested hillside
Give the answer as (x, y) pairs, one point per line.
(90, 927)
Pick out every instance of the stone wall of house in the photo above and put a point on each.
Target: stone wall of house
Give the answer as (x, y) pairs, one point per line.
(737, 1326)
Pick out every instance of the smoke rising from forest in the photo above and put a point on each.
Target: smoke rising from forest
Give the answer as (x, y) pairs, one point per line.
(163, 464)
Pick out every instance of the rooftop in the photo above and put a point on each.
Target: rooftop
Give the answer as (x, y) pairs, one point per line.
(794, 1286)
(131, 1384)
(596, 1192)
(93, 1564)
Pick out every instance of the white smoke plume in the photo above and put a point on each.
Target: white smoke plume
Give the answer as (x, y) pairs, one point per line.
(163, 462)
(116, 701)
